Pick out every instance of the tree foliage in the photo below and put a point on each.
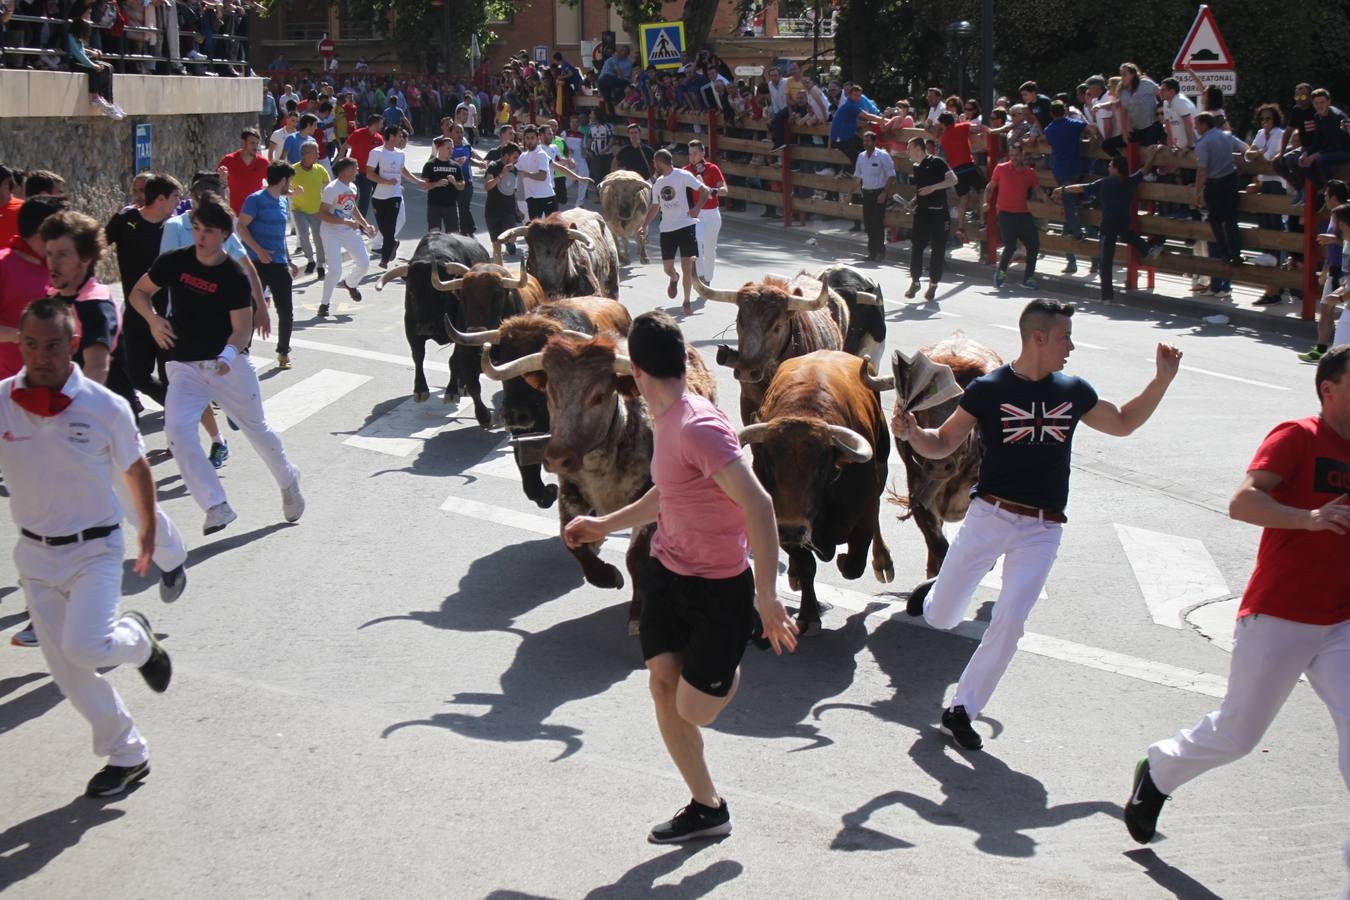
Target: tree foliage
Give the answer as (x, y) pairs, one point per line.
(898, 47)
(418, 26)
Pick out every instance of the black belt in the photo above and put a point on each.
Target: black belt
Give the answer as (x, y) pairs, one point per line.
(89, 534)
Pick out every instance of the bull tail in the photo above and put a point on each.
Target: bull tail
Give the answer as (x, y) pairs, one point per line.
(899, 499)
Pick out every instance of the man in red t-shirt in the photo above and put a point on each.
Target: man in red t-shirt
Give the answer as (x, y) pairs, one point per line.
(1295, 614)
(245, 170)
(710, 216)
(1012, 183)
(349, 110)
(9, 207)
(359, 145)
(23, 276)
(955, 139)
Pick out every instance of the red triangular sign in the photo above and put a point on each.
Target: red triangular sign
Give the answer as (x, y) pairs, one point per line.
(1204, 48)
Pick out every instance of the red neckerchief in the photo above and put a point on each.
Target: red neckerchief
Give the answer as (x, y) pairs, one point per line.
(40, 401)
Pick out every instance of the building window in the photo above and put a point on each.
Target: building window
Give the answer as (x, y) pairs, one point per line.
(566, 22)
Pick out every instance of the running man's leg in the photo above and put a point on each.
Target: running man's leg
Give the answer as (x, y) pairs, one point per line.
(710, 221)
(1329, 674)
(983, 538)
(1031, 239)
(240, 395)
(332, 245)
(683, 740)
(1007, 232)
(302, 229)
(189, 394)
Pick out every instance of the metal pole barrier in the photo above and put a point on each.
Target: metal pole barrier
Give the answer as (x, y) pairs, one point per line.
(1131, 256)
(787, 173)
(1310, 291)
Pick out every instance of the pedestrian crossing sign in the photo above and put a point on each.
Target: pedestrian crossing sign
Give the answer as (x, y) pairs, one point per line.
(662, 44)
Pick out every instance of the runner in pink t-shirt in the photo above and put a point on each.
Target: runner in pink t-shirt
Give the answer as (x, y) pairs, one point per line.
(699, 595)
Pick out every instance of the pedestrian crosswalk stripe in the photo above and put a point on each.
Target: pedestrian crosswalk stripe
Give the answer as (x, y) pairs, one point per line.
(303, 399)
(405, 428)
(1174, 573)
(340, 350)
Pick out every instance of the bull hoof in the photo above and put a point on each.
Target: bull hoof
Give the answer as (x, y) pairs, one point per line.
(545, 498)
(421, 396)
(448, 397)
(485, 419)
(885, 571)
(849, 567)
(809, 627)
(607, 577)
(793, 582)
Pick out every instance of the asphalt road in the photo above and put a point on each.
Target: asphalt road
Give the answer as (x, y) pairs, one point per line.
(412, 693)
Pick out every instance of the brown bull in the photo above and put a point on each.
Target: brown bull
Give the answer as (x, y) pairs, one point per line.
(489, 293)
(939, 489)
(820, 450)
(777, 319)
(624, 198)
(572, 253)
(600, 444)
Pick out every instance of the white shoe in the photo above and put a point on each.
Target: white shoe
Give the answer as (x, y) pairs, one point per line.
(1266, 259)
(196, 56)
(217, 517)
(292, 501)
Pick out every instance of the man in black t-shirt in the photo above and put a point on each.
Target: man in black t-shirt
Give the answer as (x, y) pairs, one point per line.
(1026, 413)
(499, 182)
(444, 182)
(206, 341)
(635, 156)
(134, 233)
(931, 176)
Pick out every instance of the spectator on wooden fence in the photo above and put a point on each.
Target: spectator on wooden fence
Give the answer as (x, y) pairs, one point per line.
(1115, 193)
(844, 125)
(1332, 332)
(1216, 189)
(777, 112)
(935, 108)
(1065, 136)
(615, 75)
(1266, 144)
(1139, 107)
(955, 138)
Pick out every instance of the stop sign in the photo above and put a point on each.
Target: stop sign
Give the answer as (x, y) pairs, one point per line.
(327, 48)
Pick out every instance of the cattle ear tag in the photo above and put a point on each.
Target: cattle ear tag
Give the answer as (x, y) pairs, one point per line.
(537, 380)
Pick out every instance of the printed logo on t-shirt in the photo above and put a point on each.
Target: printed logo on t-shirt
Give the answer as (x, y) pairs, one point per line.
(199, 284)
(79, 432)
(1331, 476)
(667, 193)
(1026, 426)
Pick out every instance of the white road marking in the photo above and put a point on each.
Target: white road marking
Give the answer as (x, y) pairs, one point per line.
(1215, 621)
(259, 366)
(1041, 645)
(340, 350)
(1227, 377)
(304, 398)
(405, 428)
(1174, 573)
(1076, 341)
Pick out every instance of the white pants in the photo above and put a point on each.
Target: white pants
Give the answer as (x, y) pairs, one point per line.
(191, 388)
(580, 188)
(706, 231)
(1342, 335)
(308, 226)
(170, 551)
(72, 595)
(1029, 547)
(335, 240)
(1269, 655)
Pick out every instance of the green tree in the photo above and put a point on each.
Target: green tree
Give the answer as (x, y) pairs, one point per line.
(418, 26)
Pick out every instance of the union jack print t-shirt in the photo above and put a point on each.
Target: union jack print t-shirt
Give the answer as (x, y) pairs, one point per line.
(1026, 428)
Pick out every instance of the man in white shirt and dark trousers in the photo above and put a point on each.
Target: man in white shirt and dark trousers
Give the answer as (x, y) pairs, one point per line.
(206, 342)
(66, 440)
(874, 172)
(534, 167)
(679, 224)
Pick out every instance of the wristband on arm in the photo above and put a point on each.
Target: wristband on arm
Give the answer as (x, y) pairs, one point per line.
(227, 356)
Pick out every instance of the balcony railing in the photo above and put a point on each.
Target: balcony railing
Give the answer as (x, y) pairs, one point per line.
(805, 27)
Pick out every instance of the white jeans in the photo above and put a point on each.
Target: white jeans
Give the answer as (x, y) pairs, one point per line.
(1029, 547)
(1342, 337)
(580, 188)
(72, 593)
(191, 388)
(708, 228)
(336, 239)
(1269, 655)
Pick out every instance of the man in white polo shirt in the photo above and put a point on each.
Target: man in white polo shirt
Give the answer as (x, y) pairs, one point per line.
(65, 440)
(534, 168)
(875, 174)
(672, 199)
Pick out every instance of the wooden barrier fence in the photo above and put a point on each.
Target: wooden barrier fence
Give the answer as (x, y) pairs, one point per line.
(749, 136)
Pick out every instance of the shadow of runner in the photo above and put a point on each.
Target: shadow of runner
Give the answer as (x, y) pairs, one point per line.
(32, 705)
(133, 583)
(28, 846)
(640, 881)
(1169, 877)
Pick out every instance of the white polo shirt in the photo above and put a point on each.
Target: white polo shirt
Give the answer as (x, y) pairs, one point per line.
(60, 470)
(874, 170)
(536, 160)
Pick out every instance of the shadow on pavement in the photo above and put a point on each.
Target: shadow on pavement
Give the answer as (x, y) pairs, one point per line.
(32, 705)
(134, 584)
(640, 881)
(28, 846)
(452, 451)
(1169, 877)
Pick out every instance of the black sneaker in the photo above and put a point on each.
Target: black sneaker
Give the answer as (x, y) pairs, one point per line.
(323, 310)
(1144, 805)
(356, 295)
(320, 272)
(309, 269)
(931, 294)
(914, 605)
(172, 584)
(912, 291)
(113, 780)
(1268, 300)
(157, 669)
(694, 821)
(956, 723)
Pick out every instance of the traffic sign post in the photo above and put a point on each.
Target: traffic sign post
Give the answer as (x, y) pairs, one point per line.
(143, 147)
(327, 48)
(662, 44)
(1205, 52)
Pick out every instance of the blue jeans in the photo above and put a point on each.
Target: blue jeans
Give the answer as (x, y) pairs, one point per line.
(1071, 227)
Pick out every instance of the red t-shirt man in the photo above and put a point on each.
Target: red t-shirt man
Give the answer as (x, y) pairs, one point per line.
(349, 110)
(955, 142)
(710, 174)
(1302, 576)
(359, 145)
(9, 221)
(23, 279)
(1013, 185)
(245, 177)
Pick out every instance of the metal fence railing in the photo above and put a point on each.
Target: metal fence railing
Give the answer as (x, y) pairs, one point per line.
(27, 39)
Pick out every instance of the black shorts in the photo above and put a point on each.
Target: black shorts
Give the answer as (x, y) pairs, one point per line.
(710, 620)
(541, 206)
(969, 178)
(684, 240)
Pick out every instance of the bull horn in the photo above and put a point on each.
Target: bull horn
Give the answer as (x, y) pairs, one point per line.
(395, 272)
(521, 280)
(457, 268)
(514, 369)
(440, 284)
(875, 383)
(585, 239)
(866, 298)
(510, 235)
(850, 443)
(471, 338)
(754, 434)
(802, 304)
(708, 292)
(622, 365)
(576, 335)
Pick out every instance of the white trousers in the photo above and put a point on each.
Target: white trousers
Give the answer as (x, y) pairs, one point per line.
(335, 240)
(191, 388)
(1029, 547)
(706, 231)
(72, 595)
(1342, 337)
(580, 188)
(1269, 655)
(170, 551)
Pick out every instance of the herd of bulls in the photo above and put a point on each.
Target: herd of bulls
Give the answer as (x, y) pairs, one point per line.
(806, 361)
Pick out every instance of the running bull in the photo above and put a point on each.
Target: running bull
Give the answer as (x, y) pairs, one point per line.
(572, 253)
(600, 445)
(776, 319)
(820, 449)
(866, 333)
(524, 410)
(624, 198)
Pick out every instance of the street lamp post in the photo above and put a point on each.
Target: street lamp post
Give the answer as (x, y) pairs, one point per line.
(987, 56)
(961, 32)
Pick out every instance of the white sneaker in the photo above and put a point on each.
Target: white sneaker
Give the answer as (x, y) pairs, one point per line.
(1266, 259)
(196, 56)
(292, 501)
(217, 517)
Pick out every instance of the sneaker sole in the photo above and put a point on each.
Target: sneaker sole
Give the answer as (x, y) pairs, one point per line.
(715, 831)
(949, 733)
(171, 594)
(1134, 789)
(120, 789)
(221, 527)
(14, 641)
